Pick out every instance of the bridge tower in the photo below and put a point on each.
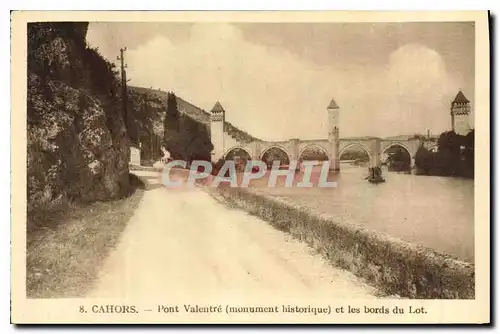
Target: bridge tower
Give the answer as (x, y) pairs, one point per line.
(460, 110)
(217, 119)
(333, 135)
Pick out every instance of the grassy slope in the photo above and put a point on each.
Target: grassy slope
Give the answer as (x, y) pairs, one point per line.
(66, 251)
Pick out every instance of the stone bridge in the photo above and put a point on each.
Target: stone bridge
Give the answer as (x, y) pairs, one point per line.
(293, 148)
(375, 147)
(226, 138)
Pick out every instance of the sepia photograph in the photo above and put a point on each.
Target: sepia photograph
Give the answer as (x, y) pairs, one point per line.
(250, 167)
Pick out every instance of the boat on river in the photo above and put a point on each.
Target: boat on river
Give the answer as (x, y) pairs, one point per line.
(375, 175)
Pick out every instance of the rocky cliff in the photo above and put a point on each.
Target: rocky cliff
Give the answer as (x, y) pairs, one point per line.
(78, 148)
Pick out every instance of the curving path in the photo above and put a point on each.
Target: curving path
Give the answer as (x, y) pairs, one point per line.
(185, 240)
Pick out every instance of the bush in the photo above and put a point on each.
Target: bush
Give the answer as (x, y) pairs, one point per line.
(455, 156)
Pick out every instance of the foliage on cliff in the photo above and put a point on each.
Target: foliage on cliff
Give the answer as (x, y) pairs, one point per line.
(238, 134)
(77, 143)
(145, 123)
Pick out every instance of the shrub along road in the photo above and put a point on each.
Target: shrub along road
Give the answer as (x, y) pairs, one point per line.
(188, 241)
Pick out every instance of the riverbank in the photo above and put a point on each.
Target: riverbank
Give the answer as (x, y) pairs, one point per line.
(67, 245)
(394, 266)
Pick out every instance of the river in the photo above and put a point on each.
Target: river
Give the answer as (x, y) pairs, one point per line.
(435, 212)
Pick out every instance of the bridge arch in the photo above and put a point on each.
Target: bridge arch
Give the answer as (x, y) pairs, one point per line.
(388, 146)
(403, 163)
(356, 144)
(275, 147)
(310, 146)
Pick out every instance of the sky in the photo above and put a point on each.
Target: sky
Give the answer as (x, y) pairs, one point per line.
(275, 80)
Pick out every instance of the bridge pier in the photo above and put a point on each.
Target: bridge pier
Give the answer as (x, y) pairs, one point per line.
(334, 165)
(375, 160)
(333, 135)
(334, 151)
(294, 152)
(256, 151)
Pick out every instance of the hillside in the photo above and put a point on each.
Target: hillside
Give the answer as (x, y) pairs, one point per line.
(195, 113)
(191, 110)
(147, 125)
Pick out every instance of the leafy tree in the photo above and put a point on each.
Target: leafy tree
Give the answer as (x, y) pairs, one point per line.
(469, 140)
(172, 138)
(449, 141)
(455, 156)
(184, 137)
(448, 156)
(172, 115)
(469, 154)
(423, 160)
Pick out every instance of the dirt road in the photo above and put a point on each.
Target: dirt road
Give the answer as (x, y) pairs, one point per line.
(185, 240)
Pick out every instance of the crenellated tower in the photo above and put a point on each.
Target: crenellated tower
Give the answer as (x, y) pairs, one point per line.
(217, 119)
(460, 113)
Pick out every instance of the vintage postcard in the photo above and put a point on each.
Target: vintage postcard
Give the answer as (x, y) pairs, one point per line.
(250, 167)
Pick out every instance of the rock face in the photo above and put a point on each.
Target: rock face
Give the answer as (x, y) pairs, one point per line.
(78, 148)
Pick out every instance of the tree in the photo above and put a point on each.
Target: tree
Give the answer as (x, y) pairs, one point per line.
(172, 114)
(184, 137)
(423, 160)
(469, 154)
(172, 139)
(469, 140)
(448, 155)
(455, 156)
(449, 140)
